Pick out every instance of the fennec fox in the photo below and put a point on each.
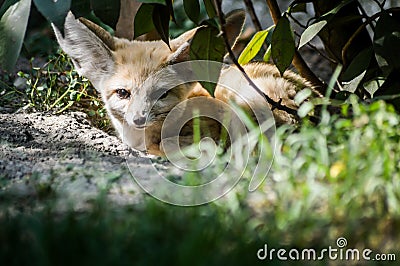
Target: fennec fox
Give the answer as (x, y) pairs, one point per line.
(125, 74)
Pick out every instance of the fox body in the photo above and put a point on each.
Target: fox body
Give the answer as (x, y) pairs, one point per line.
(127, 75)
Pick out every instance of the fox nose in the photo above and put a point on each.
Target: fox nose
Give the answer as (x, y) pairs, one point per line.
(140, 121)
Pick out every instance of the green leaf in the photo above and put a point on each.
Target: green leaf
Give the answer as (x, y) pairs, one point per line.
(210, 8)
(208, 45)
(142, 23)
(358, 65)
(311, 32)
(352, 85)
(106, 10)
(12, 31)
(267, 54)
(161, 2)
(54, 11)
(283, 46)
(253, 47)
(192, 10)
(171, 9)
(329, 15)
(387, 43)
(161, 21)
(6, 5)
(373, 85)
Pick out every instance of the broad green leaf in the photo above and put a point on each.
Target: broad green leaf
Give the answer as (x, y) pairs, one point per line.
(161, 2)
(54, 11)
(107, 11)
(358, 65)
(208, 45)
(142, 23)
(311, 32)
(352, 85)
(12, 31)
(192, 10)
(161, 21)
(253, 47)
(210, 8)
(387, 43)
(283, 46)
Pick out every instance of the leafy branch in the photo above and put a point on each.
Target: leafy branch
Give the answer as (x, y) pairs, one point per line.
(274, 104)
(362, 27)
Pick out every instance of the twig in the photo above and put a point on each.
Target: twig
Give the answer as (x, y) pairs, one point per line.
(298, 61)
(274, 10)
(254, 18)
(381, 6)
(253, 15)
(362, 26)
(273, 103)
(365, 15)
(297, 21)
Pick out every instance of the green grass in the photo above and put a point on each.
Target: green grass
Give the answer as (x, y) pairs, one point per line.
(56, 88)
(337, 179)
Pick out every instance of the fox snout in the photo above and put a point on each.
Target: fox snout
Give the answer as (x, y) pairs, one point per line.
(139, 121)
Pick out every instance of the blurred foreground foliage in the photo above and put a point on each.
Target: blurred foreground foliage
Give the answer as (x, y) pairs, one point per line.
(340, 178)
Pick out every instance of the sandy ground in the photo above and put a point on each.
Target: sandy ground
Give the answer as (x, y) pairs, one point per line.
(45, 154)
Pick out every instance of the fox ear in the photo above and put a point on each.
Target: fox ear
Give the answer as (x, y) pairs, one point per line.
(89, 46)
(181, 46)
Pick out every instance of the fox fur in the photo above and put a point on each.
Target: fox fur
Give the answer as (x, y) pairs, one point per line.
(124, 72)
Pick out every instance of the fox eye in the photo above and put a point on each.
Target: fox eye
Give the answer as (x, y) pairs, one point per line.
(164, 95)
(123, 94)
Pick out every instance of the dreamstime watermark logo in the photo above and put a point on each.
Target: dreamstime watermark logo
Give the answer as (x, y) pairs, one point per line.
(340, 252)
(168, 117)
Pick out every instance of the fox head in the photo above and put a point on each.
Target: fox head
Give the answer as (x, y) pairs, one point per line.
(123, 70)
